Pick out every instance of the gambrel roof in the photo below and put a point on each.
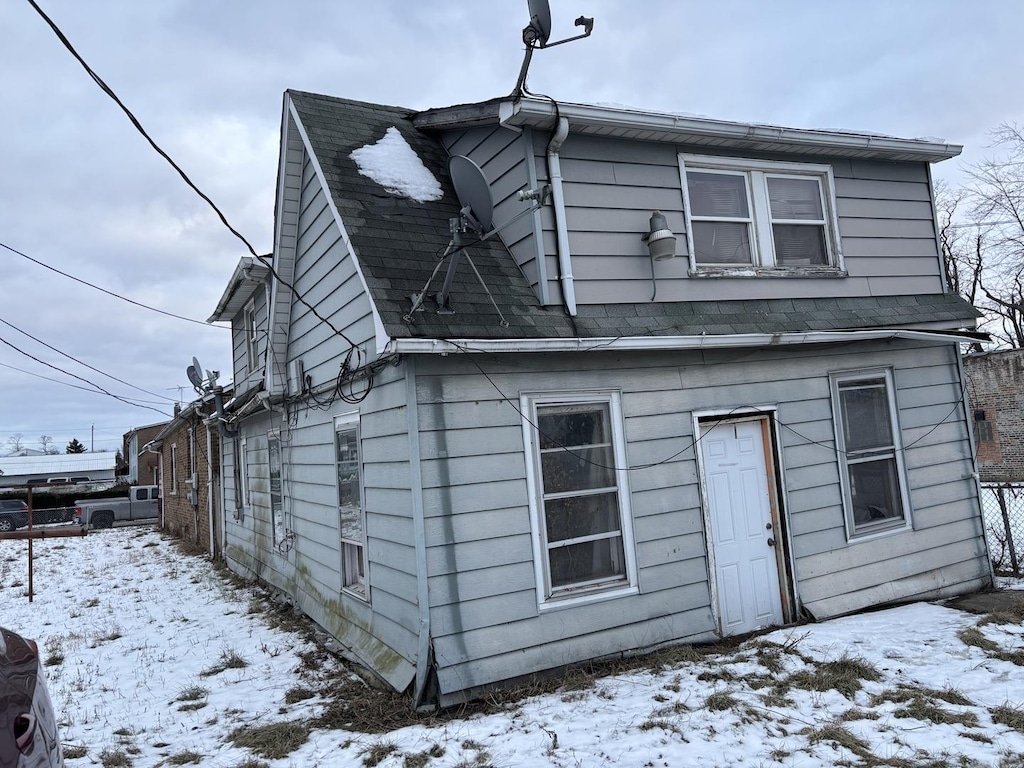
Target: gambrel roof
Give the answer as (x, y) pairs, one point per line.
(398, 243)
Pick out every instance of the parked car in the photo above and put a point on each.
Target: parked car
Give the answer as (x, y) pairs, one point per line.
(13, 514)
(28, 725)
(142, 503)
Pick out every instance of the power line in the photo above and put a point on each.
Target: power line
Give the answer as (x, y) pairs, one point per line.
(109, 293)
(98, 389)
(138, 126)
(75, 359)
(263, 259)
(67, 384)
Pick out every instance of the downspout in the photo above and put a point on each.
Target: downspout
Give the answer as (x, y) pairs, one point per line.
(424, 658)
(223, 433)
(209, 488)
(561, 229)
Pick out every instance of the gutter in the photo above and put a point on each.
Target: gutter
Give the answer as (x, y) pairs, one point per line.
(561, 228)
(644, 343)
(590, 118)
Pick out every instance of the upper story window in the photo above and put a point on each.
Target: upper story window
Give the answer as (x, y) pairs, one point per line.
(251, 353)
(870, 453)
(760, 217)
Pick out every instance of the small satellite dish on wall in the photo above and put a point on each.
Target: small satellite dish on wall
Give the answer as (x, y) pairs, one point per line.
(194, 376)
(474, 193)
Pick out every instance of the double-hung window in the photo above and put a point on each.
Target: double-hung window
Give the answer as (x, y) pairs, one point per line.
(760, 217)
(276, 494)
(350, 504)
(580, 503)
(870, 452)
(251, 351)
(174, 469)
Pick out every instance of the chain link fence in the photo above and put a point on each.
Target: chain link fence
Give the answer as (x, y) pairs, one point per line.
(1003, 509)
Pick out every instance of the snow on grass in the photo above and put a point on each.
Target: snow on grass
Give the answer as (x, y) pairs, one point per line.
(155, 658)
(393, 164)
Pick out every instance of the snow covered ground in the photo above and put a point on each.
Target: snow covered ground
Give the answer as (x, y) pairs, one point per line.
(154, 658)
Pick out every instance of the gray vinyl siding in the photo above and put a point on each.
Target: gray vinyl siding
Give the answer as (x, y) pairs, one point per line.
(886, 225)
(382, 634)
(326, 278)
(485, 620)
(504, 157)
(286, 239)
(245, 377)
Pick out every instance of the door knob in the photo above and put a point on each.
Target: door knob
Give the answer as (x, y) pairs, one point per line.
(771, 542)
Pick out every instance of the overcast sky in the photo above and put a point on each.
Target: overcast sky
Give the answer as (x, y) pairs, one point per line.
(82, 192)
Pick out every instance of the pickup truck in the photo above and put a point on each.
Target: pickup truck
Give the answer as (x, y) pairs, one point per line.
(142, 503)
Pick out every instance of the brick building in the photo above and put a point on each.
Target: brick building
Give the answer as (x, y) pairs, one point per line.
(995, 386)
(139, 466)
(189, 450)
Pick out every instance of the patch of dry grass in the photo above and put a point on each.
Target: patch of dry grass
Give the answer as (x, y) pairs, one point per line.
(273, 741)
(1010, 716)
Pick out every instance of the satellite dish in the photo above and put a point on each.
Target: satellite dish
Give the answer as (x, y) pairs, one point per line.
(473, 191)
(539, 29)
(194, 376)
(197, 366)
(536, 34)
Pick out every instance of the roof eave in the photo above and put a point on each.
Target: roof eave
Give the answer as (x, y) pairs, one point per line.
(665, 343)
(248, 275)
(654, 126)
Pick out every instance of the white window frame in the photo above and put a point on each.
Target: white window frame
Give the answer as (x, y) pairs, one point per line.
(236, 477)
(855, 532)
(762, 242)
(563, 597)
(174, 470)
(192, 481)
(251, 351)
(353, 553)
(244, 500)
(277, 519)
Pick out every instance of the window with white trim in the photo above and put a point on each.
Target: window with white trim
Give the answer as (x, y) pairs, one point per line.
(243, 463)
(870, 452)
(350, 504)
(236, 475)
(276, 496)
(580, 503)
(251, 352)
(174, 469)
(759, 216)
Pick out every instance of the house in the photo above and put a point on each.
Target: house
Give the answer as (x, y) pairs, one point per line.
(58, 469)
(995, 387)
(472, 460)
(187, 450)
(142, 467)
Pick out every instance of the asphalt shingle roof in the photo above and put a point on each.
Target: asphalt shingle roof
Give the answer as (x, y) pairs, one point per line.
(399, 242)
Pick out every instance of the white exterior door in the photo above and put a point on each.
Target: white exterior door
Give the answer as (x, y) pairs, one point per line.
(742, 532)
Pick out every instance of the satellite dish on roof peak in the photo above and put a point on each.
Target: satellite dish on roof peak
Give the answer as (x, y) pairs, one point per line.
(537, 33)
(474, 193)
(539, 29)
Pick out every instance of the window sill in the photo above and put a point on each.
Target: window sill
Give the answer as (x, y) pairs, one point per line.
(753, 271)
(357, 594)
(870, 534)
(583, 597)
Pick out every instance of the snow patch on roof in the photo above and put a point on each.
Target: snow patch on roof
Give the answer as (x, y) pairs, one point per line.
(393, 164)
